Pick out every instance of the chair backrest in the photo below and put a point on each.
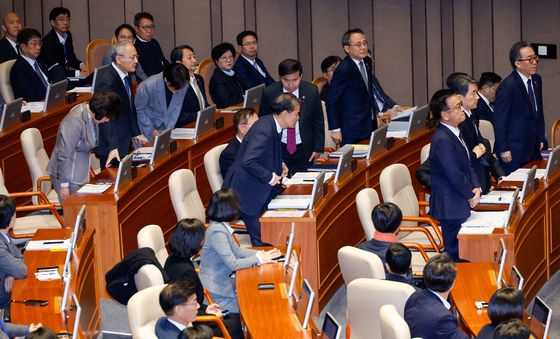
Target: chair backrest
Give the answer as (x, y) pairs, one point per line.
(95, 51)
(319, 82)
(487, 131)
(148, 276)
(555, 136)
(212, 167)
(206, 69)
(3, 189)
(365, 298)
(356, 263)
(5, 83)
(184, 196)
(36, 158)
(366, 200)
(396, 187)
(424, 153)
(393, 326)
(328, 139)
(152, 236)
(143, 312)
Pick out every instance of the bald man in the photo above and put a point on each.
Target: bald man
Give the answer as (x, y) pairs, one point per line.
(11, 25)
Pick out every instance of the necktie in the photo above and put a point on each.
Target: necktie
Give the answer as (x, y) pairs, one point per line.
(364, 74)
(198, 93)
(531, 95)
(40, 74)
(4, 327)
(128, 88)
(464, 144)
(291, 140)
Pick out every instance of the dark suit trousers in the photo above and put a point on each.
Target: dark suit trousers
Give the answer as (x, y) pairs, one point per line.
(252, 221)
(450, 228)
(296, 162)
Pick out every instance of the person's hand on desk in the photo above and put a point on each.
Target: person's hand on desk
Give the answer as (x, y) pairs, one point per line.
(214, 309)
(64, 193)
(114, 154)
(313, 156)
(275, 179)
(8, 284)
(284, 170)
(393, 111)
(141, 139)
(476, 199)
(34, 327)
(155, 133)
(336, 137)
(506, 156)
(267, 256)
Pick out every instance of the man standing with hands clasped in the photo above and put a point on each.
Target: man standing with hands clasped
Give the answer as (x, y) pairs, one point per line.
(258, 168)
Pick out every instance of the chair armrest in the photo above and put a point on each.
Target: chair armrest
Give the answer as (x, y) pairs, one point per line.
(40, 195)
(50, 207)
(434, 246)
(428, 220)
(418, 247)
(217, 321)
(238, 227)
(208, 297)
(423, 202)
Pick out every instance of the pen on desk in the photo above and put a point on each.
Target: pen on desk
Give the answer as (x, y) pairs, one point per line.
(52, 242)
(308, 180)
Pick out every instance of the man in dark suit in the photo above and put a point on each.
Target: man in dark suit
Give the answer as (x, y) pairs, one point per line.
(120, 132)
(487, 86)
(28, 75)
(427, 311)
(480, 155)
(301, 145)
(398, 265)
(58, 49)
(11, 25)
(258, 168)
(178, 302)
(195, 99)
(249, 67)
(356, 97)
(518, 111)
(243, 120)
(150, 55)
(455, 188)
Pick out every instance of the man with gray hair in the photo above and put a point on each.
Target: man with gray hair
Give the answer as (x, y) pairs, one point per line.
(120, 132)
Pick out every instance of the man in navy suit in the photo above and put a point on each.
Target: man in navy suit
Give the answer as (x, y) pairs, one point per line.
(258, 168)
(28, 75)
(487, 86)
(249, 68)
(356, 97)
(120, 132)
(303, 144)
(11, 25)
(518, 111)
(427, 311)
(243, 120)
(178, 302)
(150, 55)
(455, 189)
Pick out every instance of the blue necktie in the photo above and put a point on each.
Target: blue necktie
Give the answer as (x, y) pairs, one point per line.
(40, 74)
(4, 327)
(531, 95)
(128, 88)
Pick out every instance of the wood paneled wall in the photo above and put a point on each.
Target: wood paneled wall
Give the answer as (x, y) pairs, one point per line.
(416, 43)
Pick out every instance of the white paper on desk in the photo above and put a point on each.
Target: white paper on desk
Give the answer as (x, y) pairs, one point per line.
(497, 197)
(476, 230)
(521, 174)
(80, 90)
(396, 134)
(288, 202)
(486, 219)
(94, 188)
(283, 214)
(182, 133)
(34, 106)
(47, 276)
(305, 178)
(45, 245)
(227, 111)
(142, 153)
(405, 113)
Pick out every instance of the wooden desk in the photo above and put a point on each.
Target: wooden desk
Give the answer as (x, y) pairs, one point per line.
(117, 218)
(267, 313)
(12, 161)
(334, 222)
(83, 284)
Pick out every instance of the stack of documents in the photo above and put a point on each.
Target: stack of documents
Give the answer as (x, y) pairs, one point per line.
(142, 154)
(47, 245)
(34, 106)
(80, 90)
(94, 188)
(296, 202)
(487, 219)
(360, 151)
(305, 178)
(182, 133)
(48, 274)
(404, 114)
(521, 174)
(497, 197)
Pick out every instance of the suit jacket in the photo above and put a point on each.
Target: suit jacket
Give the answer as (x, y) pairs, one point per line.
(518, 127)
(350, 103)
(228, 155)
(166, 330)
(181, 269)
(248, 74)
(220, 257)
(7, 52)
(119, 132)
(486, 332)
(259, 155)
(14, 330)
(225, 90)
(11, 265)
(151, 105)
(25, 81)
(69, 162)
(452, 177)
(311, 123)
(150, 56)
(427, 317)
(484, 112)
(139, 74)
(53, 52)
(190, 103)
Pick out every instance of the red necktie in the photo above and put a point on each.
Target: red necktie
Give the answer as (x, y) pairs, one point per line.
(291, 140)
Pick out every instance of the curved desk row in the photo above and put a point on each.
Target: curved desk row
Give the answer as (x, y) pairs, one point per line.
(117, 218)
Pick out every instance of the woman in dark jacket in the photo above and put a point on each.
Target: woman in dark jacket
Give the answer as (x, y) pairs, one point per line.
(225, 88)
(505, 304)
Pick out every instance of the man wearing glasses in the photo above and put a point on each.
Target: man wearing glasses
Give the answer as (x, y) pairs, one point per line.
(249, 67)
(58, 49)
(518, 111)
(150, 55)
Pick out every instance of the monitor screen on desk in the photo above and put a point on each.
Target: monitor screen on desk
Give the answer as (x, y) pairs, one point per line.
(317, 192)
(529, 184)
(293, 275)
(124, 172)
(540, 319)
(500, 261)
(78, 316)
(377, 140)
(253, 97)
(553, 163)
(305, 304)
(205, 120)
(161, 145)
(79, 230)
(287, 258)
(96, 75)
(67, 281)
(11, 114)
(344, 166)
(331, 328)
(516, 279)
(417, 120)
(56, 94)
